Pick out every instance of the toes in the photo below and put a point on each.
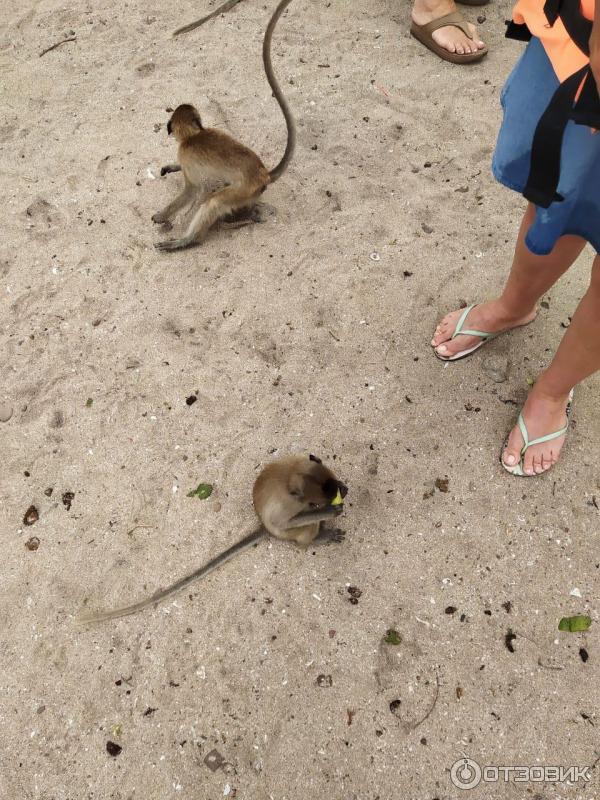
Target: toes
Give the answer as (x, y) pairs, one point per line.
(528, 465)
(439, 37)
(512, 451)
(538, 466)
(511, 456)
(442, 332)
(455, 41)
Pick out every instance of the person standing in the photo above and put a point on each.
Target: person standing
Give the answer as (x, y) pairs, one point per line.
(549, 150)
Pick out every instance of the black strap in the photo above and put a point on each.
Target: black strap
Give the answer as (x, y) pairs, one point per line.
(518, 31)
(544, 173)
(552, 10)
(587, 107)
(577, 26)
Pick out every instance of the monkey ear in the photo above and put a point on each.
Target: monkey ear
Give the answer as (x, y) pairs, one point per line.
(314, 458)
(296, 486)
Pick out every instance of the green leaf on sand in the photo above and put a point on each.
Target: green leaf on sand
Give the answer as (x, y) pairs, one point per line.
(203, 491)
(392, 637)
(575, 624)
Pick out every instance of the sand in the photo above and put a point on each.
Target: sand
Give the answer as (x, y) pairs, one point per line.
(306, 333)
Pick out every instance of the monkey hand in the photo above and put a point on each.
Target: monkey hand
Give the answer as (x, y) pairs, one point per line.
(159, 218)
(173, 244)
(169, 168)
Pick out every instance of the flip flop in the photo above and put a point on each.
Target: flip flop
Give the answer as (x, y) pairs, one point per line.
(473, 2)
(458, 330)
(517, 469)
(424, 35)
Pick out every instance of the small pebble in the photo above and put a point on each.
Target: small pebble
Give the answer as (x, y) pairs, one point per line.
(33, 543)
(6, 412)
(496, 368)
(31, 516)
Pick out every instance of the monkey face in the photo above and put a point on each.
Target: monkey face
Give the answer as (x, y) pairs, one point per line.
(185, 121)
(316, 485)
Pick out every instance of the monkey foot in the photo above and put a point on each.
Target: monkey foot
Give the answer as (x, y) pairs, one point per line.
(172, 244)
(331, 536)
(165, 223)
(258, 213)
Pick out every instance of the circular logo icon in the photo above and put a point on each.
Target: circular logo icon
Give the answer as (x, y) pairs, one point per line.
(465, 773)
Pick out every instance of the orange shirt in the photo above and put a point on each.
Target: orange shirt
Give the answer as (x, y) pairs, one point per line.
(565, 56)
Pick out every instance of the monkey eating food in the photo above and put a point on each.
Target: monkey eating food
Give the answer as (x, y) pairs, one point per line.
(207, 154)
(291, 497)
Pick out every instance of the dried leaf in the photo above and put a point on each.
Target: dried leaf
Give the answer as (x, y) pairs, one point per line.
(392, 637)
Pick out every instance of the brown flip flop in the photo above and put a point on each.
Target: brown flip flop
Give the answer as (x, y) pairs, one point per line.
(423, 34)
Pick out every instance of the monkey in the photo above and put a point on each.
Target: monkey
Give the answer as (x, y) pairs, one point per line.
(291, 498)
(208, 153)
(220, 10)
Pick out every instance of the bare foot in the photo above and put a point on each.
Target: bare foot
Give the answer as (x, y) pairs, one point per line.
(449, 37)
(542, 415)
(487, 317)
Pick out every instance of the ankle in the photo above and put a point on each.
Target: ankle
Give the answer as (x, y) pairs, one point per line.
(546, 390)
(509, 311)
(429, 7)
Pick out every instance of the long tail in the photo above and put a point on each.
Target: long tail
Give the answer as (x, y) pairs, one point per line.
(220, 10)
(157, 597)
(278, 171)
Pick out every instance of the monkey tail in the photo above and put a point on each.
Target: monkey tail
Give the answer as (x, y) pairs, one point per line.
(278, 171)
(226, 555)
(193, 25)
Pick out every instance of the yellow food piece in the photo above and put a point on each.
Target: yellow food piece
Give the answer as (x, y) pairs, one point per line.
(337, 500)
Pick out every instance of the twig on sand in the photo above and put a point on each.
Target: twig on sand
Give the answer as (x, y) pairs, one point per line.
(58, 44)
(415, 725)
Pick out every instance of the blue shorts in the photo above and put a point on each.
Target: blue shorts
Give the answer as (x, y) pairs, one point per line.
(524, 99)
